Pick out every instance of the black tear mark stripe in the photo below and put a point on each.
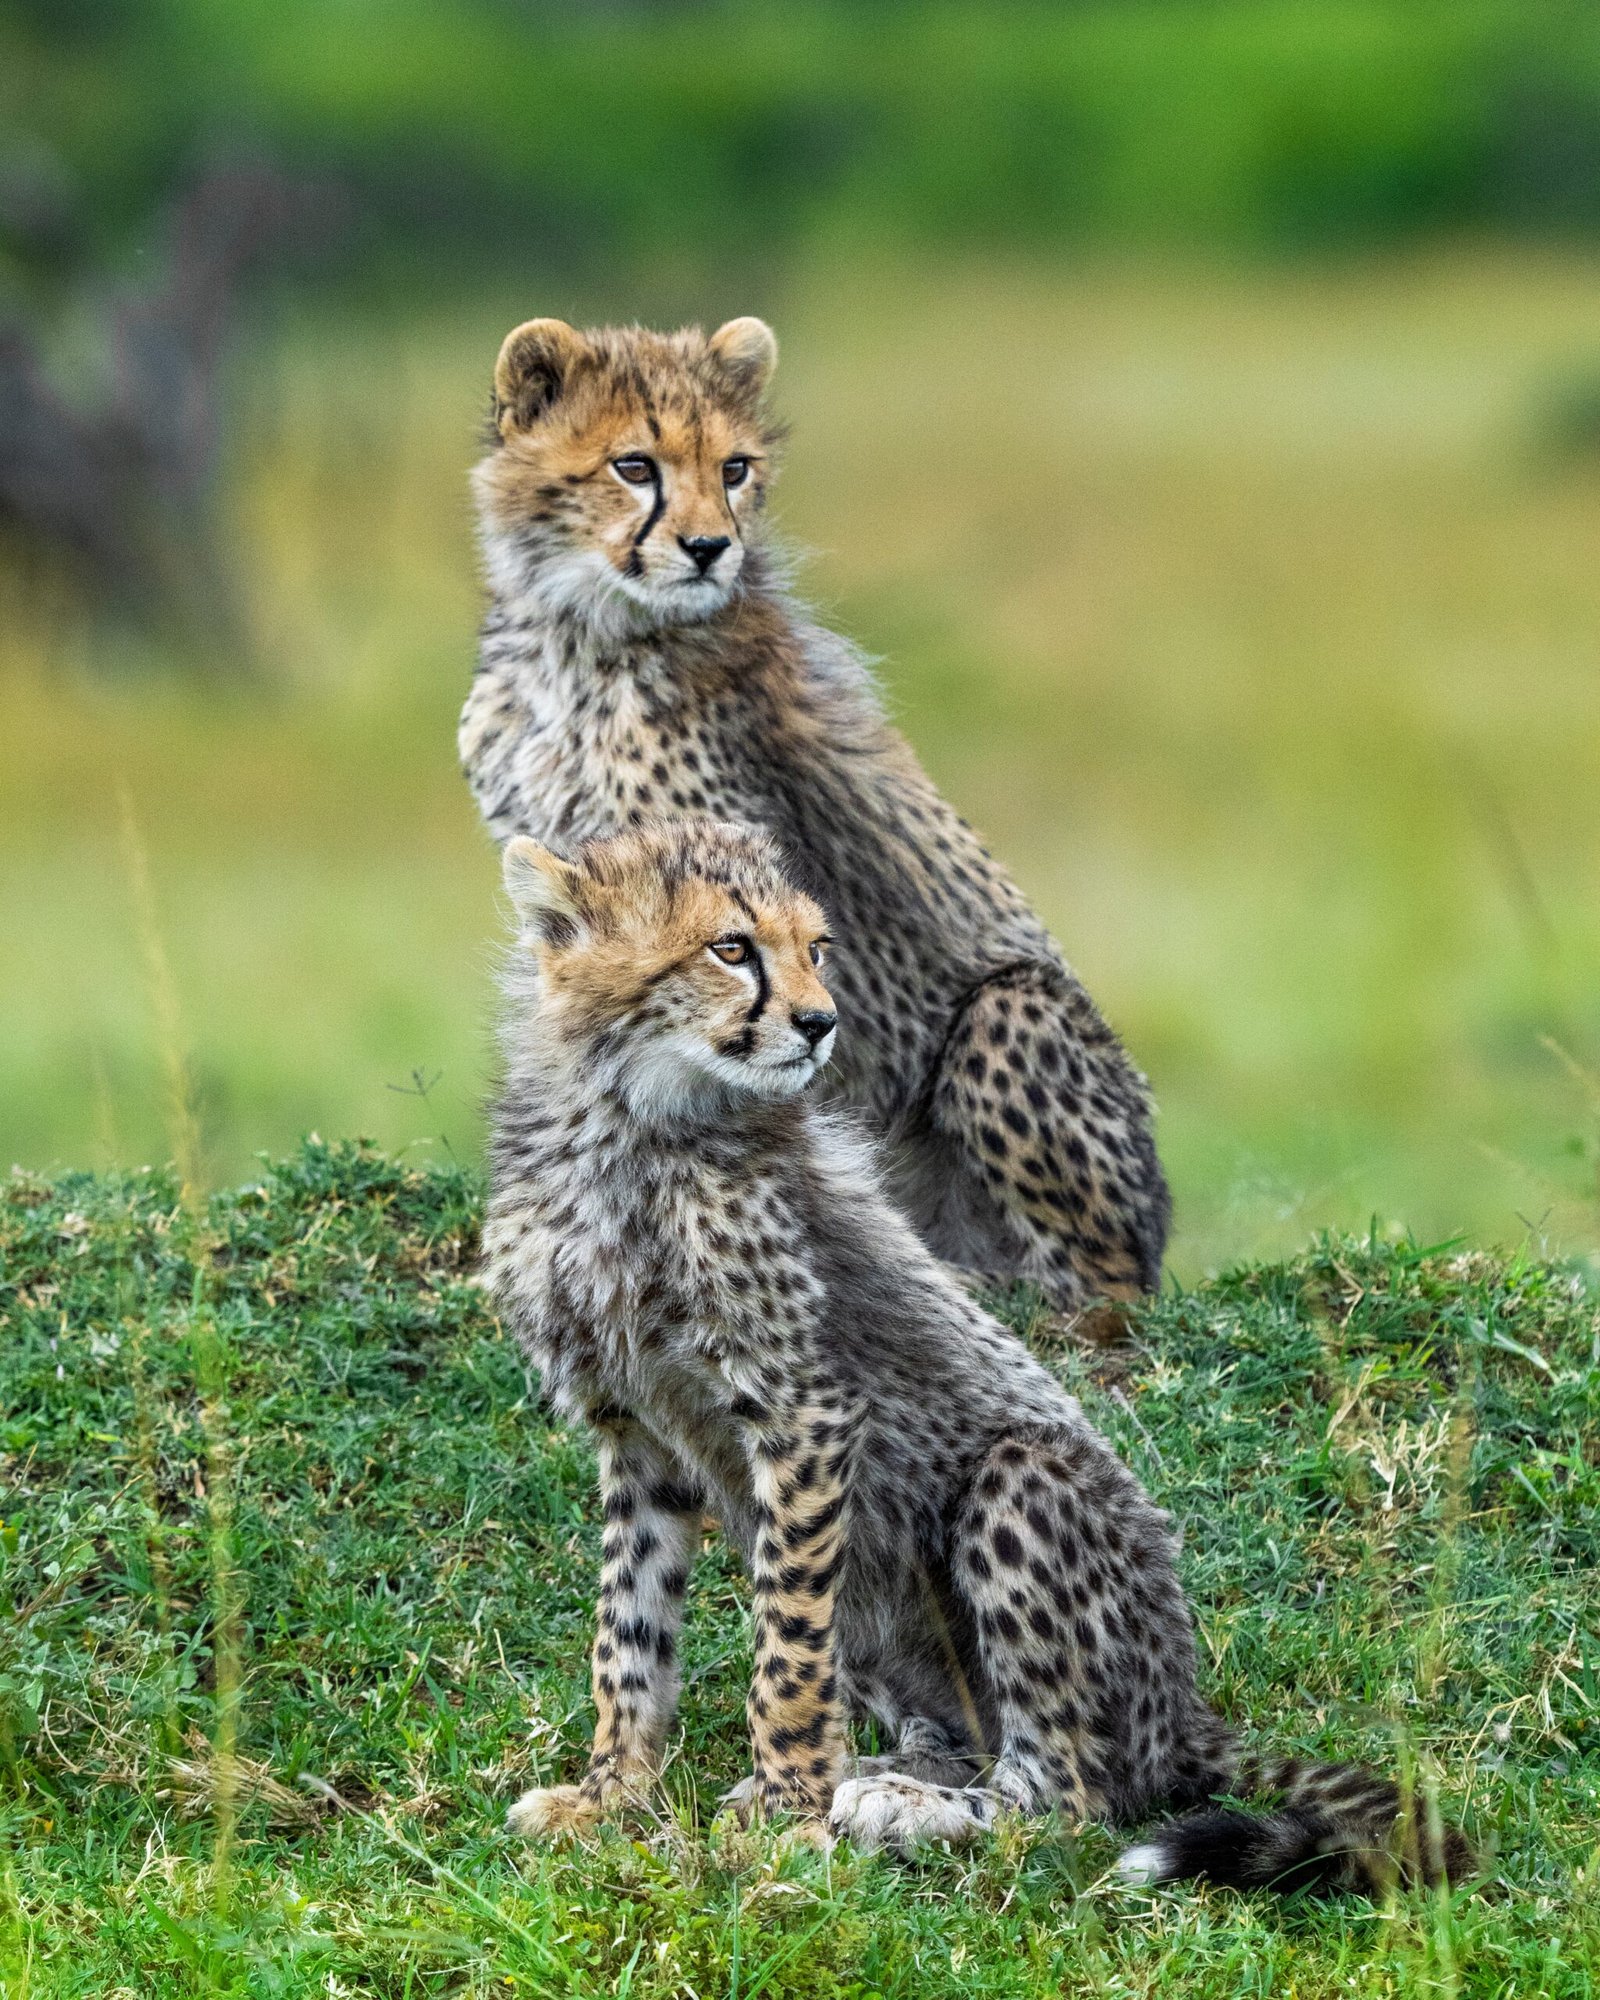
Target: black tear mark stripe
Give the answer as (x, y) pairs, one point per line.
(763, 984)
(657, 508)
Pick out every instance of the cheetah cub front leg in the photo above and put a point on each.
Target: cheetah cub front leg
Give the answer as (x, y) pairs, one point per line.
(800, 1457)
(652, 1529)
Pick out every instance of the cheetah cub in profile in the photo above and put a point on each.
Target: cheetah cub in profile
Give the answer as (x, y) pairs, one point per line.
(705, 1270)
(642, 659)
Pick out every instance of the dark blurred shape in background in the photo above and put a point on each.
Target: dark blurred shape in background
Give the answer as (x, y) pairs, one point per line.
(117, 478)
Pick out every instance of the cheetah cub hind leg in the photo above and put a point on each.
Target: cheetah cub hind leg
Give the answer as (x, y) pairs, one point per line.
(1054, 1123)
(901, 1814)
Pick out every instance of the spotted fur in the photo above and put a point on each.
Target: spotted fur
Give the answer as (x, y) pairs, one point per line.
(625, 678)
(705, 1268)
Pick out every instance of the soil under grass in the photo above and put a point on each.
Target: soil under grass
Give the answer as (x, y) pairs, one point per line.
(295, 1596)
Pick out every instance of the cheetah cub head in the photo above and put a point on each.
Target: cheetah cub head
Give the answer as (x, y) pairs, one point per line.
(627, 470)
(675, 966)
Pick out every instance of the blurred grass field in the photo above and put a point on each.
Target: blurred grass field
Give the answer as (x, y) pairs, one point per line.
(1254, 615)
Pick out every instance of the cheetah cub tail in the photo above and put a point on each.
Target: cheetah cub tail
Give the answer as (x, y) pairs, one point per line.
(1332, 1827)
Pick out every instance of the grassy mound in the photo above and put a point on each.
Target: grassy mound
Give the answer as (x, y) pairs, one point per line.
(294, 1589)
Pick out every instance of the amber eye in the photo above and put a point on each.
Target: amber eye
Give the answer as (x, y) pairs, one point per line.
(732, 950)
(636, 469)
(735, 471)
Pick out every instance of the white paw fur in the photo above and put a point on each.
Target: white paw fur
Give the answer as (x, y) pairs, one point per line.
(903, 1814)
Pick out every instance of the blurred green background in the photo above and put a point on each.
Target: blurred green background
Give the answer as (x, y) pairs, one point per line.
(1197, 406)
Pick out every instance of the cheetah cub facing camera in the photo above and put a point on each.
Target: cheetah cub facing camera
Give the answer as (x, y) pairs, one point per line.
(640, 659)
(706, 1271)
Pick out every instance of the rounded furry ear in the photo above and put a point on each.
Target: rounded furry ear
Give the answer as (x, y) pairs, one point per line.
(748, 349)
(535, 361)
(543, 891)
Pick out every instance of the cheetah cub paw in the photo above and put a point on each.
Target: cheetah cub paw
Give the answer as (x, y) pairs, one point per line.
(555, 1814)
(748, 1803)
(742, 1803)
(902, 1814)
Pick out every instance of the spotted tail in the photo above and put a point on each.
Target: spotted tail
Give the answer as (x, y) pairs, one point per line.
(1329, 1827)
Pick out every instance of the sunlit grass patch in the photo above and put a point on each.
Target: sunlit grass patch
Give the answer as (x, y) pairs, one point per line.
(1383, 1456)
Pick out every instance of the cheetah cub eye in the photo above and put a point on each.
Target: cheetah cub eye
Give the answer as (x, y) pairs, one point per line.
(731, 950)
(819, 949)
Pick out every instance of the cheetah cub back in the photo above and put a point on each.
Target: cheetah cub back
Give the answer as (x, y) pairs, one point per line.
(706, 1272)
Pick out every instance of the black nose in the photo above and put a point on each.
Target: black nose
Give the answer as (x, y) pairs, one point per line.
(703, 548)
(814, 1023)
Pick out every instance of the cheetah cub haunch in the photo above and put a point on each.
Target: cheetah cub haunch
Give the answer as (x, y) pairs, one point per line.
(642, 659)
(705, 1270)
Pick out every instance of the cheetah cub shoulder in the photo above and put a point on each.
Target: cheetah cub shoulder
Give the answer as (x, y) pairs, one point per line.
(706, 1272)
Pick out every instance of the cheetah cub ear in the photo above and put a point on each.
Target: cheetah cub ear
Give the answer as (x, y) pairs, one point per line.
(748, 350)
(544, 892)
(535, 360)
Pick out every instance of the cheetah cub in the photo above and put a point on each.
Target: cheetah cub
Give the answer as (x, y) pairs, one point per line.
(706, 1271)
(642, 659)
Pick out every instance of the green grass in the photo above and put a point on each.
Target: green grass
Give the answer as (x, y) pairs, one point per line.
(295, 1595)
(1251, 614)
